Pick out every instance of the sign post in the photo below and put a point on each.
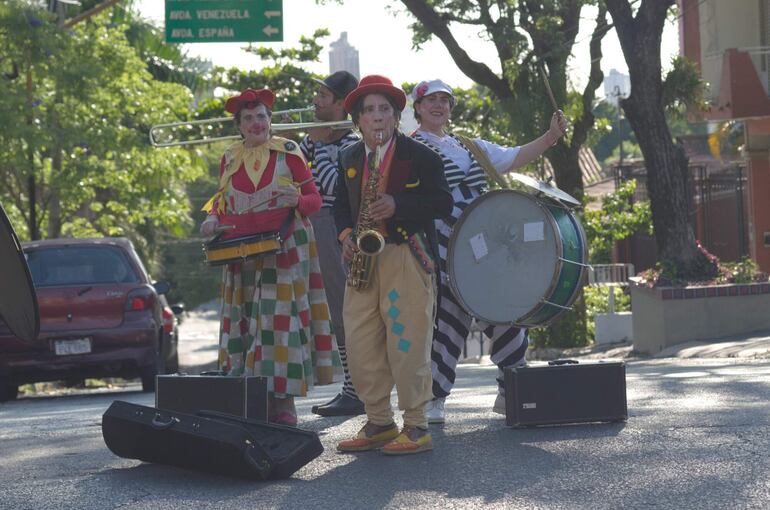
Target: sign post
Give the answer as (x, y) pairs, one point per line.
(189, 21)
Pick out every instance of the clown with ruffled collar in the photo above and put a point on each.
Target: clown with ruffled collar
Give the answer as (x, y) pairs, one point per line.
(275, 318)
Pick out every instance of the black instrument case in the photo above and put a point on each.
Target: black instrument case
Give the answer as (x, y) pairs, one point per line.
(565, 391)
(208, 441)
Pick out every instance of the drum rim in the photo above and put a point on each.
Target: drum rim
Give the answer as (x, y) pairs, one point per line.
(453, 241)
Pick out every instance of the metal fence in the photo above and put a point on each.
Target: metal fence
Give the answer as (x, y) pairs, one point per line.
(718, 209)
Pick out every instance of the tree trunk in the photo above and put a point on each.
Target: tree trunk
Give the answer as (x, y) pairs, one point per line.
(667, 180)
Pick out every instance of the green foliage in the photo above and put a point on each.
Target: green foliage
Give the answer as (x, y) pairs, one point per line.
(569, 330)
(618, 218)
(81, 131)
(683, 86)
(744, 271)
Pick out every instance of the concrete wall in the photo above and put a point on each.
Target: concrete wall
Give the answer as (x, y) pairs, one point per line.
(664, 317)
(724, 25)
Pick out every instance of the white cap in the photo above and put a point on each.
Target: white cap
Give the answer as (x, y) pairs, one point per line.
(426, 88)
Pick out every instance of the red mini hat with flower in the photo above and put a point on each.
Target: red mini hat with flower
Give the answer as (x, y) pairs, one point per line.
(237, 103)
(375, 84)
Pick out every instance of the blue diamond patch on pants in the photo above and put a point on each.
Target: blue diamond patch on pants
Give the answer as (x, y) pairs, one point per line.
(397, 328)
(404, 345)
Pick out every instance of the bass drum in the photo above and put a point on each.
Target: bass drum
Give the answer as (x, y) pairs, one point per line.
(516, 259)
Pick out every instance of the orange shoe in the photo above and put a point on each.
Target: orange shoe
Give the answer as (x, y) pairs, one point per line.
(370, 437)
(410, 440)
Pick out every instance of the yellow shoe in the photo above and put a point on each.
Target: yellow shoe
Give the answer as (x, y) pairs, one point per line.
(370, 437)
(410, 440)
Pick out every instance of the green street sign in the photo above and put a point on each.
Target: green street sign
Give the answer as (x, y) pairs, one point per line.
(189, 21)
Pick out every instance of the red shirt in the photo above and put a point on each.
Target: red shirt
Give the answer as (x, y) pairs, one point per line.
(266, 221)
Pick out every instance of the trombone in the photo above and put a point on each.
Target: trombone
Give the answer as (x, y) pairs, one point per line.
(156, 130)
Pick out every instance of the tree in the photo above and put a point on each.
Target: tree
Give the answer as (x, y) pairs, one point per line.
(667, 173)
(76, 129)
(526, 35)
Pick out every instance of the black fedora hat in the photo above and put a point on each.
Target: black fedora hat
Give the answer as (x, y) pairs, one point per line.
(340, 83)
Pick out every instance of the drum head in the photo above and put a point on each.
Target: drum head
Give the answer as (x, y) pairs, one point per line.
(18, 301)
(502, 256)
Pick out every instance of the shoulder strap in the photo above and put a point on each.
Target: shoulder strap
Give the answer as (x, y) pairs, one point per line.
(483, 160)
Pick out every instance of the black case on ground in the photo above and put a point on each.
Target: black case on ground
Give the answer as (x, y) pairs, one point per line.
(288, 448)
(240, 396)
(183, 440)
(565, 391)
(208, 441)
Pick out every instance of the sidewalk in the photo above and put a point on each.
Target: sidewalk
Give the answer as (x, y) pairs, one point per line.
(746, 347)
(199, 333)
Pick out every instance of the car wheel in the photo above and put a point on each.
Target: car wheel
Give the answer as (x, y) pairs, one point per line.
(172, 364)
(8, 392)
(147, 375)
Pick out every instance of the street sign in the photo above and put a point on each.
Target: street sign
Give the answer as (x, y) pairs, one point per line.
(189, 21)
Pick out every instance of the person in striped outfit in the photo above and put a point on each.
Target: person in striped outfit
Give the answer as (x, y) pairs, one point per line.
(433, 103)
(321, 147)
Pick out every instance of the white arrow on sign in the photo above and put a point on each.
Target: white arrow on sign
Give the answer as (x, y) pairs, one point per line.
(270, 30)
(272, 14)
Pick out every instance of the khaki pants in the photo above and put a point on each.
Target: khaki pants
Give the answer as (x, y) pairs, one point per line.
(389, 328)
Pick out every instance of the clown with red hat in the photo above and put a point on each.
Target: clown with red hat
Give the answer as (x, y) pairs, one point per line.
(389, 321)
(285, 336)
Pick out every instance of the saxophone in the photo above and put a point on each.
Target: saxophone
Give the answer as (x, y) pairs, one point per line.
(368, 240)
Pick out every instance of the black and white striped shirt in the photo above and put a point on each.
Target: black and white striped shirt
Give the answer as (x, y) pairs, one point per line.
(322, 159)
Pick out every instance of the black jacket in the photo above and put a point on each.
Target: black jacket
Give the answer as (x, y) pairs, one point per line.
(415, 180)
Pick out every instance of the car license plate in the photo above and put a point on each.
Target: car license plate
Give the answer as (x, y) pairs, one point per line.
(75, 346)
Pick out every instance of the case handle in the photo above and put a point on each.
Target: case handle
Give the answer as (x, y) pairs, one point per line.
(159, 424)
(563, 362)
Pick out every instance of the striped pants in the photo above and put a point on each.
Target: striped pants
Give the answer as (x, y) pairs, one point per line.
(509, 344)
(333, 273)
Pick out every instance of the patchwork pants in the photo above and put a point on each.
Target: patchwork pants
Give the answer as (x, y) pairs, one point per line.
(389, 329)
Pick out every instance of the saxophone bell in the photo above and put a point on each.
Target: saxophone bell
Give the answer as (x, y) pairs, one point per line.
(370, 242)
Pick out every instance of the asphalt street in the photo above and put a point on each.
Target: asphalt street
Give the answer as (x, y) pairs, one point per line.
(698, 436)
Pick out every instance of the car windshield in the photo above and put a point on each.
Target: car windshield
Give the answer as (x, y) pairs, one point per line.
(78, 265)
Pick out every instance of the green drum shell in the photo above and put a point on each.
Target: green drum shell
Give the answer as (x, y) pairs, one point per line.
(571, 273)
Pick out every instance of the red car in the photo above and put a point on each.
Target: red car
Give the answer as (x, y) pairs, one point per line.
(100, 316)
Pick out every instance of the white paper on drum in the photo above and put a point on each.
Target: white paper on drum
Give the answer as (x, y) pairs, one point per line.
(534, 231)
(479, 246)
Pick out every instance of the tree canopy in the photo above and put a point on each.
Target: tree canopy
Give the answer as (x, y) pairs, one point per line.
(74, 154)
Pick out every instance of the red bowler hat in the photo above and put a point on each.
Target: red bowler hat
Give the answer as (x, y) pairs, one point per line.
(375, 84)
(264, 96)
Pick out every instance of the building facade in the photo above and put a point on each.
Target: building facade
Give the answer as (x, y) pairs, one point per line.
(343, 56)
(730, 44)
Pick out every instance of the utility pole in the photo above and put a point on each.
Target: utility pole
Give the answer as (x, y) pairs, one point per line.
(618, 94)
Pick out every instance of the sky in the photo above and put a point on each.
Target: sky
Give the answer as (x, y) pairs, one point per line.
(378, 29)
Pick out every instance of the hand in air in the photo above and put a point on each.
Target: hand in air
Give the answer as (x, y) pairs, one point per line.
(559, 125)
(382, 208)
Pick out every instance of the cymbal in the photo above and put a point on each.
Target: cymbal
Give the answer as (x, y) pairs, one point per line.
(18, 300)
(544, 188)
